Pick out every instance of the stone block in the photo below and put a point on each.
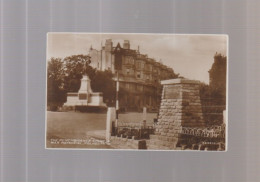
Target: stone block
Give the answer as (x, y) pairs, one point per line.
(165, 130)
(166, 126)
(163, 133)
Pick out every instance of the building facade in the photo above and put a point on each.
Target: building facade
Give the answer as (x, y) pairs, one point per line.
(139, 76)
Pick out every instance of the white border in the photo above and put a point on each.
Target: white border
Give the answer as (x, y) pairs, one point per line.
(138, 150)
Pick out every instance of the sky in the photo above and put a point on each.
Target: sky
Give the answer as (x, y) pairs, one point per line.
(190, 55)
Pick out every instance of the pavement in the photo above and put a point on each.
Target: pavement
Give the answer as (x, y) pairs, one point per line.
(98, 134)
(117, 143)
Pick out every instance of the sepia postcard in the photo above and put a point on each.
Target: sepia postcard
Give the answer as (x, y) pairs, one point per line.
(136, 91)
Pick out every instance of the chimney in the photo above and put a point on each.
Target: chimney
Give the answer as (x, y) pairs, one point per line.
(126, 44)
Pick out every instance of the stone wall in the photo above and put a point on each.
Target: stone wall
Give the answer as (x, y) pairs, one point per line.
(180, 107)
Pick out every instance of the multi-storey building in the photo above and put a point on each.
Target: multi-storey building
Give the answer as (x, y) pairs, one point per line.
(139, 76)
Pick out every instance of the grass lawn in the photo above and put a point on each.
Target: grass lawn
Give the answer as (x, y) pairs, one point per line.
(75, 125)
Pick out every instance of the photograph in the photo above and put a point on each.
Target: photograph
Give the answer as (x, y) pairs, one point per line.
(120, 91)
(129, 91)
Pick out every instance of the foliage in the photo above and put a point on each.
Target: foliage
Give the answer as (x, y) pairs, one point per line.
(213, 103)
(55, 82)
(174, 75)
(65, 76)
(207, 91)
(102, 81)
(217, 75)
(75, 66)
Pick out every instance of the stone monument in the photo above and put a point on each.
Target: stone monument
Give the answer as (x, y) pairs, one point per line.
(85, 96)
(180, 107)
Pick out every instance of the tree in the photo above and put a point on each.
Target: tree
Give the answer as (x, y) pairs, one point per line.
(56, 94)
(103, 82)
(75, 67)
(65, 76)
(217, 75)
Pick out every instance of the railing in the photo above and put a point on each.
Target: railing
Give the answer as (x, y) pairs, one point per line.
(134, 125)
(207, 136)
(133, 130)
(210, 132)
(212, 138)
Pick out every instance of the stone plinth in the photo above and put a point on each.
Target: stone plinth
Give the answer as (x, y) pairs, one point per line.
(85, 96)
(180, 107)
(85, 85)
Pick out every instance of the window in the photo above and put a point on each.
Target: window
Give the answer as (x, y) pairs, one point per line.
(138, 65)
(129, 60)
(127, 71)
(138, 75)
(132, 60)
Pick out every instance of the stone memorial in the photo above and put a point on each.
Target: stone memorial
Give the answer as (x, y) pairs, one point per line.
(180, 107)
(85, 96)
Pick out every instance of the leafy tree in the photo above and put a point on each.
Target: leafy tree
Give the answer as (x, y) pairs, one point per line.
(55, 82)
(103, 82)
(75, 67)
(217, 75)
(65, 76)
